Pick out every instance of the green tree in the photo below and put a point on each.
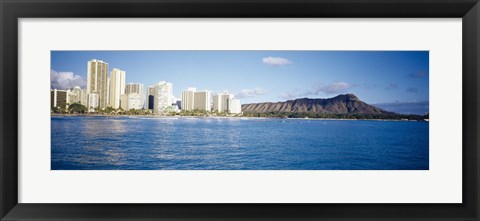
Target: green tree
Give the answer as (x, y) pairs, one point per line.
(77, 108)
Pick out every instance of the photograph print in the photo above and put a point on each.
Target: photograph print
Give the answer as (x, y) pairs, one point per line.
(239, 110)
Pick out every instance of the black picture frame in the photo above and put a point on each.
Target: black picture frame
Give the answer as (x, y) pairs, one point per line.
(12, 10)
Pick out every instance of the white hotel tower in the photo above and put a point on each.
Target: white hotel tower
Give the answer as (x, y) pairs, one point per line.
(220, 102)
(134, 88)
(163, 97)
(117, 87)
(188, 99)
(133, 97)
(225, 102)
(234, 106)
(202, 101)
(97, 75)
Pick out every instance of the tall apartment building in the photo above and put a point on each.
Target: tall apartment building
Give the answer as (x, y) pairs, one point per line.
(179, 104)
(97, 76)
(108, 92)
(131, 101)
(162, 97)
(77, 95)
(136, 88)
(117, 87)
(170, 94)
(234, 106)
(202, 101)
(188, 99)
(150, 97)
(92, 102)
(217, 103)
(220, 102)
(58, 98)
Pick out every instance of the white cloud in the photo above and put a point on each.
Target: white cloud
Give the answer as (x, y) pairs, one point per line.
(333, 88)
(296, 93)
(276, 61)
(289, 96)
(66, 80)
(251, 93)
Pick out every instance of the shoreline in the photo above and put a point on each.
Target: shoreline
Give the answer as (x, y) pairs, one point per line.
(226, 117)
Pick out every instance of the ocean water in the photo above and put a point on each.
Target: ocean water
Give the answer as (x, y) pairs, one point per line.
(142, 143)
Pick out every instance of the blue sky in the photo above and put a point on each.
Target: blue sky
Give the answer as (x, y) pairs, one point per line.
(392, 80)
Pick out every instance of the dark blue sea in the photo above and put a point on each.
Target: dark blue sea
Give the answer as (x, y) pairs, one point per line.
(143, 143)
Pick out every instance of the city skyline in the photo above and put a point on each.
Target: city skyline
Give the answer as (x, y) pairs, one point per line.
(120, 96)
(398, 79)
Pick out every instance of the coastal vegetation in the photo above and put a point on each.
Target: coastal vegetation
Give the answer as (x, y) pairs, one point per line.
(79, 109)
(343, 106)
(346, 106)
(75, 108)
(391, 116)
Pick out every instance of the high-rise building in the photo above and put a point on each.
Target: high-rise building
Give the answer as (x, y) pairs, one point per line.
(220, 102)
(170, 94)
(72, 97)
(134, 88)
(225, 98)
(92, 102)
(162, 97)
(202, 101)
(108, 92)
(217, 103)
(150, 97)
(77, 95)
(234, 106)
(97, 74)
(188, 99)
(59, 98)
(117, 87)
(131, 101)
(179, 104)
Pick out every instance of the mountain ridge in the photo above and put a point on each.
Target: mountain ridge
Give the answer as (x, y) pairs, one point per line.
(340, 104)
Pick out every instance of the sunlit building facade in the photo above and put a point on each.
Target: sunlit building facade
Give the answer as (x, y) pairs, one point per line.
(117, 87)
(131, 101)
(162, 97)
(136, 88)
(77, 95)
(59, 98)
(97, 76)
(188, 99)
(220, 102)
(92, 102)
(202, 101)
(234, 106)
